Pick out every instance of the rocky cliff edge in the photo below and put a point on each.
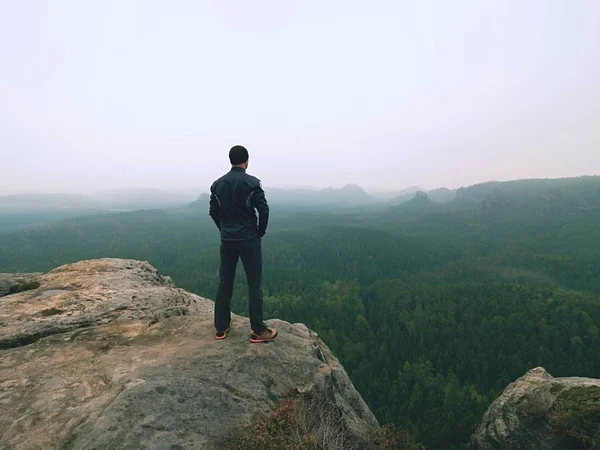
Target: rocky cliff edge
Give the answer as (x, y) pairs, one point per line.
(110, 354)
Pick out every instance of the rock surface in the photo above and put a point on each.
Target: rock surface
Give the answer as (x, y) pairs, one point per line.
(109, 354)
(539, 412)
(13, 282)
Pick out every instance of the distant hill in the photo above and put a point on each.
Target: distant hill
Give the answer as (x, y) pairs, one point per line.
(402, 198)
(419, 205)
(144, 198)
(580, 192)
(397, 197)
(23, 210)
(21, 202)
(291, 196)
(201, 202)
(442, 195)
(564, 195)
(351, 194)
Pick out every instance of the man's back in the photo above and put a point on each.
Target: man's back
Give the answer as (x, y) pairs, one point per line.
(234, 198)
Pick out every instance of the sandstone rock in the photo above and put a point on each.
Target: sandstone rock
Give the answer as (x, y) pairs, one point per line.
(93, 292)
(15, 282)
(109, 354)
(539, 412)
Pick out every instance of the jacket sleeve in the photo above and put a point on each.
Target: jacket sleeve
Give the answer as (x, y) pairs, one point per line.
(215, 208)
(259, 202)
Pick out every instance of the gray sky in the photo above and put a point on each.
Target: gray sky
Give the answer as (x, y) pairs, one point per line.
(102, 94)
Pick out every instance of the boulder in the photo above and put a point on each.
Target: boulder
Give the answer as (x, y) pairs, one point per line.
(539, 412)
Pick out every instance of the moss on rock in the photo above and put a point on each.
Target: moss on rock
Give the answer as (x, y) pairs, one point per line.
(575, 417)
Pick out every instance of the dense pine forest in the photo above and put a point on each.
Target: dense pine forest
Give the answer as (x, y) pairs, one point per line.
(433, 308)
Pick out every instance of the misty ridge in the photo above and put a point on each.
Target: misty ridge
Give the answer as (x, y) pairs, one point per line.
(27, 209)
(146, 198)
(350, 195)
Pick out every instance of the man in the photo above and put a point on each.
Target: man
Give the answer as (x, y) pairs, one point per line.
(233, 201)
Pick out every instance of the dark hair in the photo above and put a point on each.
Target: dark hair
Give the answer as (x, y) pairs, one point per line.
(238, 155)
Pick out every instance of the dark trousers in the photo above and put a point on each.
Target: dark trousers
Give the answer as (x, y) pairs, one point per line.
(251, 253)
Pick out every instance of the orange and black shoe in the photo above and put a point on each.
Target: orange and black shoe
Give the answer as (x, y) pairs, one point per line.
(268, 335)
(223, 334)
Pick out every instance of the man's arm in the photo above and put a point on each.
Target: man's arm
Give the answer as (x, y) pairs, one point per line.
(260, 203)
(215, 208)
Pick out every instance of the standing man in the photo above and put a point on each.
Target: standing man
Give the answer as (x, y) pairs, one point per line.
(233, 201)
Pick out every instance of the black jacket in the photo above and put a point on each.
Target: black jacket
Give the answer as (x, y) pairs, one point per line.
(233, 199)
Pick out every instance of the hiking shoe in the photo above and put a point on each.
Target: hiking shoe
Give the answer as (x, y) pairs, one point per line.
(268, 335)
(223, 334)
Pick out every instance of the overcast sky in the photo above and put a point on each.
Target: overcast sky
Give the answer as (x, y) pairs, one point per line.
(386, 94)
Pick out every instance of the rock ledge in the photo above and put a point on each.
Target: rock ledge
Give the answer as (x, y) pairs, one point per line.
(110, 354)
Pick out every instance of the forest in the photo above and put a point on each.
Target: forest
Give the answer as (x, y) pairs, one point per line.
(433, 308)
